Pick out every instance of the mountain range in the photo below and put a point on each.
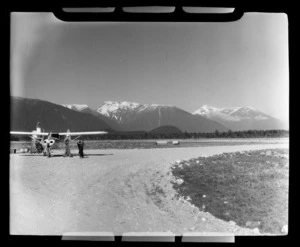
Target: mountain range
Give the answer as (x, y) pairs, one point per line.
(129, 116)
(132, 116)
(241, 118)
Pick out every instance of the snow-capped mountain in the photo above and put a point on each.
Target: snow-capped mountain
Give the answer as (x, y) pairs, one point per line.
(115, 110)
(76, 107)
(121, 111)
(232, 113)
(86, 109)
(134, 116)
(130, 116)
(240, 118)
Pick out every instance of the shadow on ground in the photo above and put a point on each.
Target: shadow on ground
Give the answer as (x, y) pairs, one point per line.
(61, 155)
(96, 155)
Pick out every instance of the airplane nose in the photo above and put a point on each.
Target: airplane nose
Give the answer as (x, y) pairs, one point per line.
(49, 143)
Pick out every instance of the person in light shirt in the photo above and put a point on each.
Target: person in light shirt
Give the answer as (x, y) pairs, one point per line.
(67, 147)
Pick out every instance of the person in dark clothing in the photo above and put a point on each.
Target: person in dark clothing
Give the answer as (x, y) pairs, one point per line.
(67, 146)
(80, 145)
(48, 153)
(39, 147)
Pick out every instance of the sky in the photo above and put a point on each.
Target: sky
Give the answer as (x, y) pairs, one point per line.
(241, 63)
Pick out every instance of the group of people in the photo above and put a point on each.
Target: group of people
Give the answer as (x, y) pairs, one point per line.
(68, 153)
(80, 145)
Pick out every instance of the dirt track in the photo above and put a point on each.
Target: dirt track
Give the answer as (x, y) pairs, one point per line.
(109, 191)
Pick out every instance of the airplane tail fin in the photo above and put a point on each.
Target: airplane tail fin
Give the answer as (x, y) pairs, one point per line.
(38, 128)
(70, 138)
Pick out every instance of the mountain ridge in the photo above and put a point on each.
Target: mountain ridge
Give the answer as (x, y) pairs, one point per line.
(129, 116)
(25, 113)
(240, 118)
(135, 116)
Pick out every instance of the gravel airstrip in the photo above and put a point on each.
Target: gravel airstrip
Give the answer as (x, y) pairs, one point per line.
(111, 190)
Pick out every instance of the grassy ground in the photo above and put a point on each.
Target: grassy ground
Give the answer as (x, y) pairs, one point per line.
(249, 188)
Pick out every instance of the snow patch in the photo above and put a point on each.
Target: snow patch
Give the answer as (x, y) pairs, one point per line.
(231, 113)
(116, 110)
(260, 117)
(78, 107)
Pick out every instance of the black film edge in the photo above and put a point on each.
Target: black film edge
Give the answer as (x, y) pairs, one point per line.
(118, 15)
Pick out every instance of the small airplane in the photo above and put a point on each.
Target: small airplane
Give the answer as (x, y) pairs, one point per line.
(45, 145)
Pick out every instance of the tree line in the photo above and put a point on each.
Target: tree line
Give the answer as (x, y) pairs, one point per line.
(194, 135)
(184, 135)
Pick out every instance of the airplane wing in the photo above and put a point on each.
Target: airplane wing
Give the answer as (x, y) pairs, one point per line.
(83, 133)
(28, 133)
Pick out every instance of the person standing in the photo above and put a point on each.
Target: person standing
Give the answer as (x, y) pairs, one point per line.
(38, 146)
(48, 153)
(80, 145)
(67, 147)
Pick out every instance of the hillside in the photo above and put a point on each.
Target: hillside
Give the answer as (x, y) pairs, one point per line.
(25, 113)
(166, 130)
